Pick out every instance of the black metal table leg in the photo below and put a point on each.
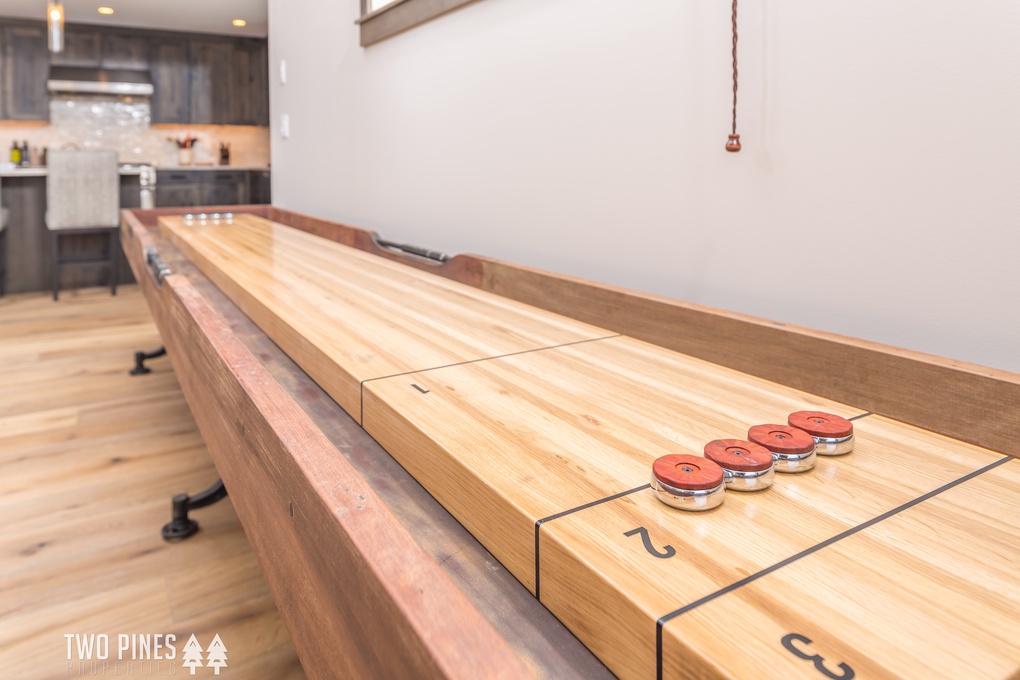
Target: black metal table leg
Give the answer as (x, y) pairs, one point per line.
(182, 526)
(140, 357)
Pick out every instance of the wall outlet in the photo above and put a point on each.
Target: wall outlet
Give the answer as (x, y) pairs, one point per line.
(285, 125)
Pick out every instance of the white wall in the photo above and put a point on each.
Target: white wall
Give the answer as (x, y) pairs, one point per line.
(877, 193)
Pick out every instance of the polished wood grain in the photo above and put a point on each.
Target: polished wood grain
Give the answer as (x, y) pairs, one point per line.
(929, 593)
(353, 317)
(368, 602)
(89, 458)
(462, 268)
(966, 401)
(977, 404)
(507, 442)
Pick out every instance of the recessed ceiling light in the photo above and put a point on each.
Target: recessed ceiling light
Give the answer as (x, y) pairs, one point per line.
(239, 22)
(106, 10)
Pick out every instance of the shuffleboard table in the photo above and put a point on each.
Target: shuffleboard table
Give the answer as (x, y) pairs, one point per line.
(365, 406)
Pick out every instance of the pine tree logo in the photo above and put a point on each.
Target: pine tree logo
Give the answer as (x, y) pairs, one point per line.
(217, 655)
(193, 654)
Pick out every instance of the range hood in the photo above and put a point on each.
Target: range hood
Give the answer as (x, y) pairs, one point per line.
(99, 81)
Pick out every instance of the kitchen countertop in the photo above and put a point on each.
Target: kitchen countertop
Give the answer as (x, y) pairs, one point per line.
(189, 168)
(22, 172)
(41, 171)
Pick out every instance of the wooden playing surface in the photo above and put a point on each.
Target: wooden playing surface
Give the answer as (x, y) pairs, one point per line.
(901, 559)
(352, 316)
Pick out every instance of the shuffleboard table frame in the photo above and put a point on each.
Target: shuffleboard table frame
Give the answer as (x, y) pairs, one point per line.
(972, 403)
(360, 597)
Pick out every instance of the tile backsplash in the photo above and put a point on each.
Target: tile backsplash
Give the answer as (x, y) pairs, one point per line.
(124, 124)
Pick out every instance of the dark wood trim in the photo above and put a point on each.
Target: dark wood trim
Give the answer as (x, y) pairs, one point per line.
(400, 16)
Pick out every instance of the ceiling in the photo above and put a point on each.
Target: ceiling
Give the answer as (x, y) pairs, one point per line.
(198, 16)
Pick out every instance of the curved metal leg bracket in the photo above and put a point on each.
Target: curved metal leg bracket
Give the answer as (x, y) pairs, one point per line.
(140, 357)
(182, 526)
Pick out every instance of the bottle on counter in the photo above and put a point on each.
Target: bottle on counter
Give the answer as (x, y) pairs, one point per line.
(15, 153)
(25, 158)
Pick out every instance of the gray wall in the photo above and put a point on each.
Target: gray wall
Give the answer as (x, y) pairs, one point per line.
(876, 195)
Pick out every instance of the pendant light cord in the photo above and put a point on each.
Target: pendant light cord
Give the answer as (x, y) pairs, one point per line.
(734, 66)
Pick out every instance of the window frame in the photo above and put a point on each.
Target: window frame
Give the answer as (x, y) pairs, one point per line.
(399, 16)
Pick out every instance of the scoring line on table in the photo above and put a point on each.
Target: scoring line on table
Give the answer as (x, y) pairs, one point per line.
(804, 553)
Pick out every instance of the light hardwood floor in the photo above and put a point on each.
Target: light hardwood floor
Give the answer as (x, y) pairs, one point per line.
(89, 459)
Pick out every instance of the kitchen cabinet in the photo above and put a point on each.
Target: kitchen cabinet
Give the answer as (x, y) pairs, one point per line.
(171, 101)
(198, 79)
(224, 187)
(25, 68)
(260, 187)
(212, 82)
(130, 191)
(3, 60)
(251, 82)
(81, 48)
(90, 47)
(125, 51)
(186, 188)
(178, 188)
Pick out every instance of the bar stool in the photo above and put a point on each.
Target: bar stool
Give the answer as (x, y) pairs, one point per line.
(83, 197)
(3, 248)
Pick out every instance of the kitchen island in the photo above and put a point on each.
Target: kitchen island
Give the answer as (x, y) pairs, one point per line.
(23, 193)
(29, 264)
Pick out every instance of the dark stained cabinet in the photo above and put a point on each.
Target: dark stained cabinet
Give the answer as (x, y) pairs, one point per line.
(125, 51)
(260, 187)
(130, 191)
(89, 47)
(186, 188)
(24, 71)
(197, 79)
(178, 188)
(225, 188)
(171, 101)
(251, 83)
(81, 48)
(212, 82)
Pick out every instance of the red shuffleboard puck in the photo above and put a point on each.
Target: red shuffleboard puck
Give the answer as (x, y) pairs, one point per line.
(793, 449)
(781, 438)
(820, 424)
(737, 454)
(688, 482)
(691, 473)
(834, 435)
(746, 466)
